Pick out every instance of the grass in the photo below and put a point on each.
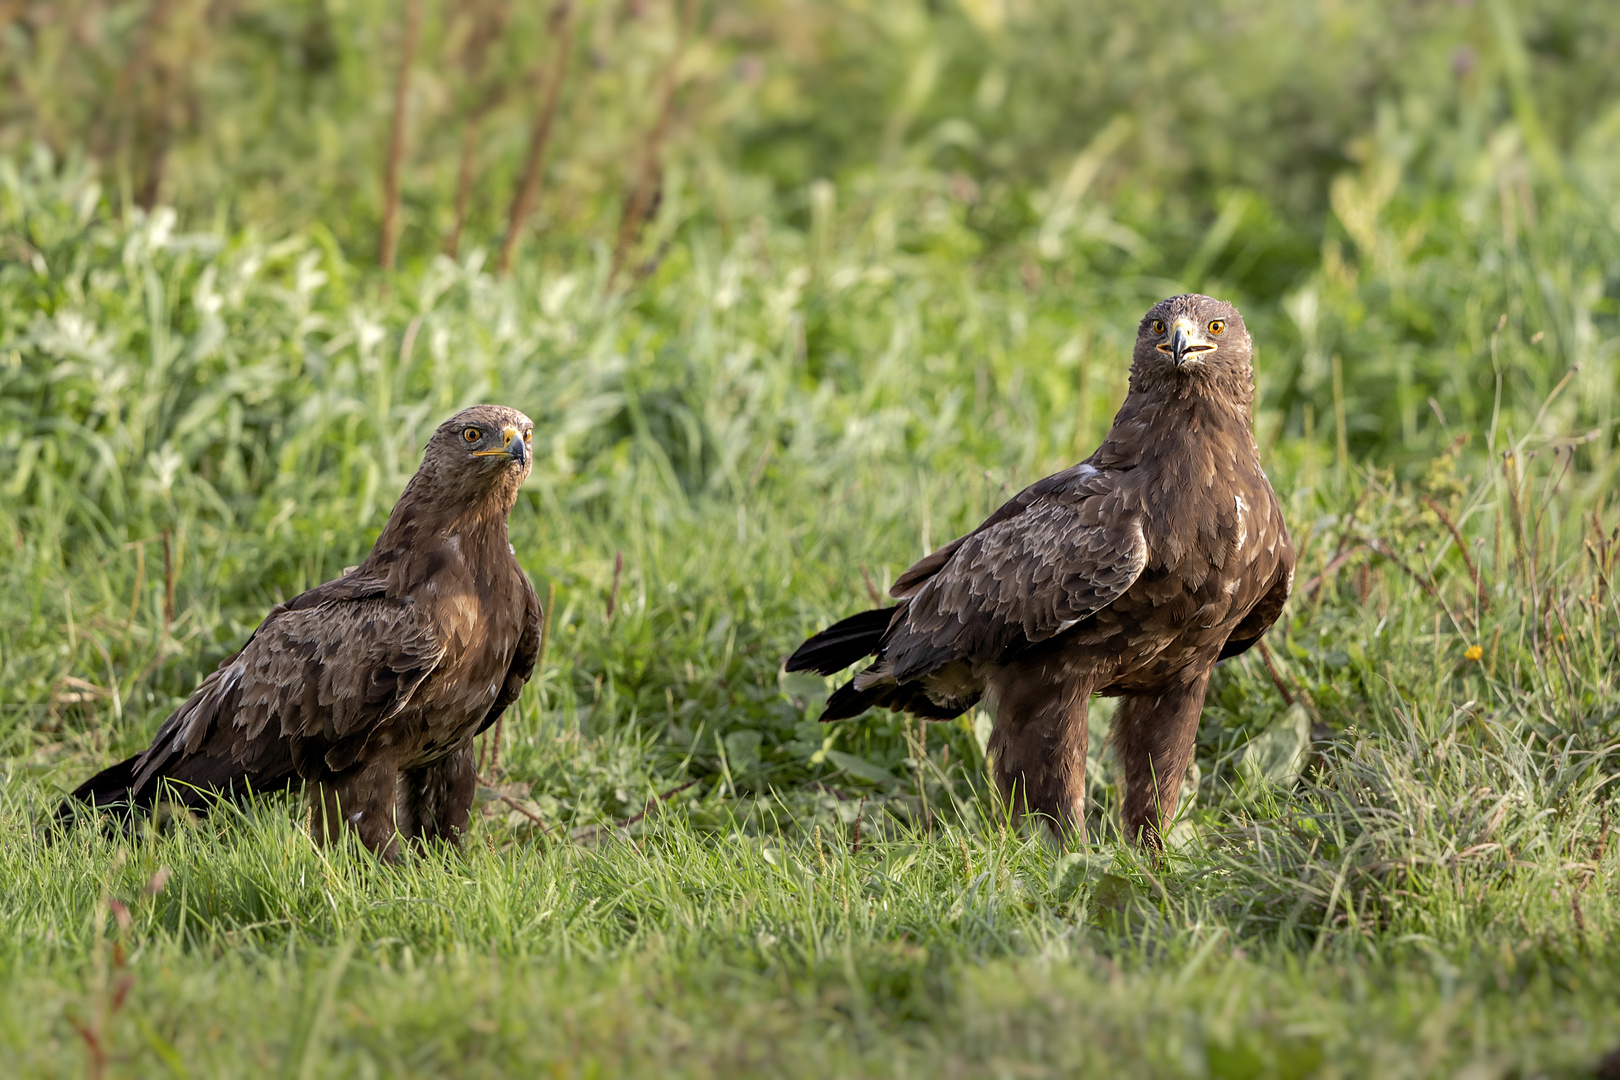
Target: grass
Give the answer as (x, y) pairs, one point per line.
(1396, 856)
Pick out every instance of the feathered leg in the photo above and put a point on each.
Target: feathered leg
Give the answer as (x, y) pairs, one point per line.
(1038, 746)
(365, 800)
(1154, 735)
(439, 796)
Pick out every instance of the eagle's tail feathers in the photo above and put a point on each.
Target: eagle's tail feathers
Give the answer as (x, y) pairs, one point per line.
(919, 704)
(847, 702)
(195, 782)
(843, 643)
(108, 789)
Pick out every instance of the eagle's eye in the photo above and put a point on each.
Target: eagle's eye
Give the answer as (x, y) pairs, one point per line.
(1216, 326)
(1157, 325)
(528, 436)
(472, 434)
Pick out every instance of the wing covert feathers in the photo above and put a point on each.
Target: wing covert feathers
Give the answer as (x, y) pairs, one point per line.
(1018, 582)
(322, 674)
(523, 660)
(1053, 555)
(1259, 620)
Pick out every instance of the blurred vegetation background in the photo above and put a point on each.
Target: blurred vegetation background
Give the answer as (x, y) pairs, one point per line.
(1375, 182)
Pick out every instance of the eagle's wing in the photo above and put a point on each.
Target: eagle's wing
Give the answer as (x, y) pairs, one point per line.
(313, 681)
(1270, 606)
(1058, 553)
(523, 660)
(1077, 481)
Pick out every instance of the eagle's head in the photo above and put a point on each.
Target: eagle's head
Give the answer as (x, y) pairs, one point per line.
(1193, 339)
(482, 449)
(467, 485)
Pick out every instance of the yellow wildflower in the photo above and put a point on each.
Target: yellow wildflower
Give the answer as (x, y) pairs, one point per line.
(1474, 652)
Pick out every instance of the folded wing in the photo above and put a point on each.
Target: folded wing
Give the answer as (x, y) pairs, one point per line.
(1018, 581)
(307, 690)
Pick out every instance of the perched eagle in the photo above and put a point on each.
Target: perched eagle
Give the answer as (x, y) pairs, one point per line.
(1129, 574)
(370, 688)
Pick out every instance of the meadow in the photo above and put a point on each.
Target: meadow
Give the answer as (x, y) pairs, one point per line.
(803, 291)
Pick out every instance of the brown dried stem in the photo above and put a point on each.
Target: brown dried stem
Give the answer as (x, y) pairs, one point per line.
(665, 797)
(1276, 679)
(143, 126)
(613, 592)
(1379, 548)
(1468, 564)
(648, 173)
(489, 21)
(1341, 550)
(168, 583)
(871, 589)
(526, 812)
(389, 234)
(1315, 584)
(561, 25)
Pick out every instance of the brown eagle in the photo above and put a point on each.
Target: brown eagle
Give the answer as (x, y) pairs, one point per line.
(1129, 574)
(370, 688)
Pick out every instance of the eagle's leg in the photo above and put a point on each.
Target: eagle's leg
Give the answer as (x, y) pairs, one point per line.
(1153, 736)
(364, 800)
(439, 797)
(1038, 747)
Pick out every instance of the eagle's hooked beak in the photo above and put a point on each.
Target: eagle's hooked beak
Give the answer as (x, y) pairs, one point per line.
(1186, 340)
(516, 447)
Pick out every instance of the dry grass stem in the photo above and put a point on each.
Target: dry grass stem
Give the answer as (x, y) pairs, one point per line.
(561, 26)
(388, 236)
(644, 189)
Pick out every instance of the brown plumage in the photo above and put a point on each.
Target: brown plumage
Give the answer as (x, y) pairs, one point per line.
(1129, 574)
(370, 688)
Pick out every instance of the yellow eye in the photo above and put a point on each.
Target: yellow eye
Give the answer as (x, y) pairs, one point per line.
(1216, 326)
(1158, 326)
(472, 434)
(528, 436)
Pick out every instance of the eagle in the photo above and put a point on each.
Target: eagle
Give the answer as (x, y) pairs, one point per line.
(369, 689)
(1130, 574)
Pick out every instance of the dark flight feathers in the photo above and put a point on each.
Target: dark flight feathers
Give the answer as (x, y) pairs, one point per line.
(842, 643)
